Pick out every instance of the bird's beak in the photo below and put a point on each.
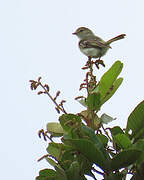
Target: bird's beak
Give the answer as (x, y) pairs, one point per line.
(74, 33)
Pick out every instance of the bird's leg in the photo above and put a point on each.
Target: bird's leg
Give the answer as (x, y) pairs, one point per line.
(89, 58)
(88, 63)
(99, 62)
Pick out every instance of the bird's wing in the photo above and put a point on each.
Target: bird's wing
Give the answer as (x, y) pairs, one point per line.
(95, 43)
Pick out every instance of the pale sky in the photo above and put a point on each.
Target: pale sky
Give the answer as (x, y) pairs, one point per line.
(36, 40)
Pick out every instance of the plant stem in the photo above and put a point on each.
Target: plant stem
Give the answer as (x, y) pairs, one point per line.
(46, 91)
(106, 133)
(97, 171)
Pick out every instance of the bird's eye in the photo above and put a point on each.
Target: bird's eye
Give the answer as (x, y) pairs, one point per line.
(81, 30)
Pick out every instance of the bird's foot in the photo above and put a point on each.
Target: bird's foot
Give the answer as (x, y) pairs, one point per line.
(99, 62)
(89, 63)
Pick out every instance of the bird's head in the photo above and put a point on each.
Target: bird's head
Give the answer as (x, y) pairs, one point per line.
(83, 33)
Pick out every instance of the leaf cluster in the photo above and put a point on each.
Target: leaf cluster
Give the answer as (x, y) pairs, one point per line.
(86, 147)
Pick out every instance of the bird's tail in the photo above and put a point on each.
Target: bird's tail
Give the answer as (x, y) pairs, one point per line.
(116, 38)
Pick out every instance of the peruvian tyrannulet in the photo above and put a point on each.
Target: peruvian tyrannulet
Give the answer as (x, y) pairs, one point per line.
(93, 46)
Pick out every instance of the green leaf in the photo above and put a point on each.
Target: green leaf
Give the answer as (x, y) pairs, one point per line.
(82, 101)
(89, 149)
(88, 116)
(115, 176)
(136, 122)
(139, 173)
(103, 139)
(139, 134)
(67, 158)
(140, 145)
(109, 78)
(137, 176)
(122, 140)
(53, 150)
(95, 139)
(106, 118)
(85, 164)
(93, 101)
(97, 122)
(125, 158)
(51, 161)
(61, 172)
(112, 91)
(69, 121)
(74, 171)
(116, 130)
(56, 149)
(48, 174)
(55, 129)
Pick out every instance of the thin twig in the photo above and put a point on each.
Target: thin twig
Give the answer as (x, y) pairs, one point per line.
(47, 155)
(97, 171)
(43, 157)
(46, 91)
(106, 133)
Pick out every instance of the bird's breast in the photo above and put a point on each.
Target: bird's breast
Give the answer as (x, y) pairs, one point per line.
(93, 52)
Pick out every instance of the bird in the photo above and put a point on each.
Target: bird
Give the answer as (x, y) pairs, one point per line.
(93, 46)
